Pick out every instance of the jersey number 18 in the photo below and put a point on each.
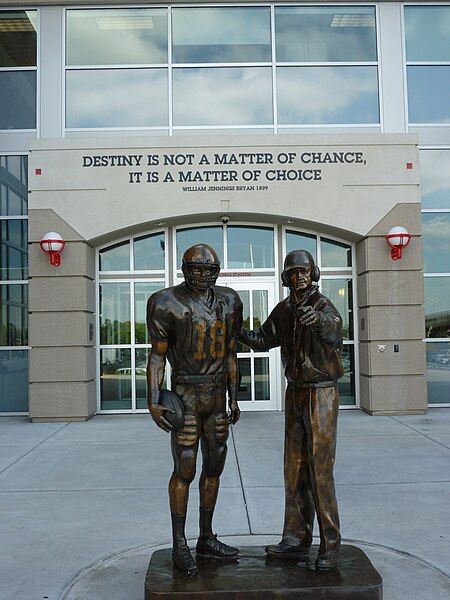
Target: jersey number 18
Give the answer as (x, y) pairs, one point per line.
(216, 346)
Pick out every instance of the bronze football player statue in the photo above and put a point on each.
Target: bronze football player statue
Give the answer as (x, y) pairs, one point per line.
(196, 325)
(309, 330)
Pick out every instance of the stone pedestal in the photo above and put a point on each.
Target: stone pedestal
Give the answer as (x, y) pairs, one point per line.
(255, 577)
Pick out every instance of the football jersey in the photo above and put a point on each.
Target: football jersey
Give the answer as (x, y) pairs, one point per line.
(198, 332)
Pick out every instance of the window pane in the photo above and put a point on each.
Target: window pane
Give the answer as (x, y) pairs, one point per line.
(149, 253)
(427, 32)
(260, 307)
(438, 372)
(335, 254)
(250, 247)
(301, 241)
(18, 100)
(339, 291)
(436, 242)
(142, 292)
(347, 382)
(117, 36)
(304, 95)
(213, 236)
(222, 96)
(140, 373)
(14, 315)
(18, 38)
(115, 258)
(115, 379)
(244, 295)
(13, 380)
(116, 98)
(325, 34)
(202, 35)
(428, 94)
(437, 307)
(14, 249)
(13, 185)
(115, 315)
(435, 177)
(262, 381)
(245, 380)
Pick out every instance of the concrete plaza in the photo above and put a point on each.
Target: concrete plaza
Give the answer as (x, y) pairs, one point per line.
(83, 505)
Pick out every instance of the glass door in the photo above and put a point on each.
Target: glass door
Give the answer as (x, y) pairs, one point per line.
(259, 371)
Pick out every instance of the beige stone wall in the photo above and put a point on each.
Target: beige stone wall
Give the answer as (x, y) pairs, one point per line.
(349, 199)
(390, 301)
(61, 325)
(89, 206)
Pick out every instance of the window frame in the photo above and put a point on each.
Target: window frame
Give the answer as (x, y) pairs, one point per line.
(272, 127)
(14, 282)
(431, 274)
(336, 273)
(377, 64)
(423, 63)
(225, 270)
(114, 67)
(130, 277)
(35, 68)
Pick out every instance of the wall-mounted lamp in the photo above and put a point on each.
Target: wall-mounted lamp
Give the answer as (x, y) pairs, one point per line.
(398, 238)
(53, 244)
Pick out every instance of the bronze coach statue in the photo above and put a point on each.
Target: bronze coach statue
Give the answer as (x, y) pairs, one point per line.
(309, 330)
(195, 325)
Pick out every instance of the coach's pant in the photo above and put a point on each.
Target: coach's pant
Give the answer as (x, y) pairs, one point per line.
(309, 453)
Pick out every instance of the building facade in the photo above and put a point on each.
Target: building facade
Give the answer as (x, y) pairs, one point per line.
(135, 130)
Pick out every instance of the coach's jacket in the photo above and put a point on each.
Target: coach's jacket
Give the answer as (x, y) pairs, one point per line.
(310, 354)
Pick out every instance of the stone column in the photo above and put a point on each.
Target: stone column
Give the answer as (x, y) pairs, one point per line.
(61, 324)
(391, 319)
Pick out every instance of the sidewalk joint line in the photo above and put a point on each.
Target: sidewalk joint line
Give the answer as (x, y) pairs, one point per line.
(34, 448)
(421, 433)
(240, 480)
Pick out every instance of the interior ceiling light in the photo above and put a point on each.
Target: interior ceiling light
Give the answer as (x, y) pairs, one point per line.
(353, 21)
(132, 22)
(14, 25)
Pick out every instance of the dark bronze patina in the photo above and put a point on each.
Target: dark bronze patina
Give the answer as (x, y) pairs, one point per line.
(196, 325)
(255, 577)
(308, 328)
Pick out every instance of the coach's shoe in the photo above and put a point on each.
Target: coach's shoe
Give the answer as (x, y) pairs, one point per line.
(286, 550)
(327, 561)
(211, 547)
(183, 561)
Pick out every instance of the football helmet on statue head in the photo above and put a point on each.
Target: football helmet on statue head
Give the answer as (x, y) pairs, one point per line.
(200, 266)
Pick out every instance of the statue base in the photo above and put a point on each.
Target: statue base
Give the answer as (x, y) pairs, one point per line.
(254, 576)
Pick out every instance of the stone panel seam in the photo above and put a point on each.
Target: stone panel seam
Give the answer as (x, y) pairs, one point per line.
(391, 305)
(56, 276)
(36, 346)
(396, 375)
(61, 382)
(74, 381)
(57, 312)
(58, 215)
(375, 270)
(391, 341)
(413, 185)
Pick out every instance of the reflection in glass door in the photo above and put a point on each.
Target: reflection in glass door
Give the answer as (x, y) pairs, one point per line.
(258, 372)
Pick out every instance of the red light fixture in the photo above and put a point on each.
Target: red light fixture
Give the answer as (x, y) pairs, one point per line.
(398, 238)
(53, 244)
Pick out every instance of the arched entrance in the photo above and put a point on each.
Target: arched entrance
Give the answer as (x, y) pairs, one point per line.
(251, 254)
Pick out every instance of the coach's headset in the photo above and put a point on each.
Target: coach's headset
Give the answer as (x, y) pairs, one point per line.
(299, 258)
